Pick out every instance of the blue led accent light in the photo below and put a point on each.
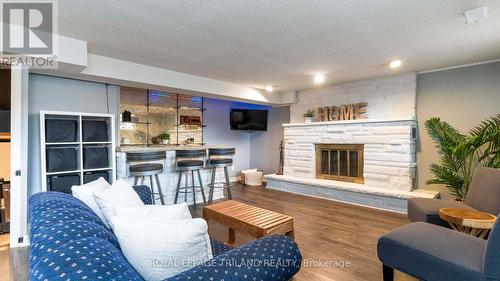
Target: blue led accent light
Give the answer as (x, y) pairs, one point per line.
(155, 93)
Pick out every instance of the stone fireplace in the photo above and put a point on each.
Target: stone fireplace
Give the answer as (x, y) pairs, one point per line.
(343, 162)
(370, 162)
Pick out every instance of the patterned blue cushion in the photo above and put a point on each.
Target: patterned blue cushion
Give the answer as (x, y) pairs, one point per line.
(144, 193)
(43, 243)
(69, 242)
(272, 258)
(84, 259)
(53, 200)
(218, 247)
(51, 217)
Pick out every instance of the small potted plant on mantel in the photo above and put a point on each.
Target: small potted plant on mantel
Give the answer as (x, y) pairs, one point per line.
(165, 138)
(309, 116)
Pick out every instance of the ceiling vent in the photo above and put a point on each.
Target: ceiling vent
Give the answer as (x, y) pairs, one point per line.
(476, 15)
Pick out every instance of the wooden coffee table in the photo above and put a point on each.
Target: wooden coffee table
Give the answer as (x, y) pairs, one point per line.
(468, 221)
(253, 220)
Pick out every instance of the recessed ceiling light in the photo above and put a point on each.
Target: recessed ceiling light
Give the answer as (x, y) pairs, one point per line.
(269, 89)
(319, 78)
(395, 63)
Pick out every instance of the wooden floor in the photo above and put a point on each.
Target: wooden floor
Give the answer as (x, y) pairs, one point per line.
(326, 232)
(4, 257)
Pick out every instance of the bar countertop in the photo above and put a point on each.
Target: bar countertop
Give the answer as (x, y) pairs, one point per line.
(167, 147)
(170, 175)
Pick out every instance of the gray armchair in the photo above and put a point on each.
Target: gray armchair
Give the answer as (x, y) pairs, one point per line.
(429, 252)
(483, 195)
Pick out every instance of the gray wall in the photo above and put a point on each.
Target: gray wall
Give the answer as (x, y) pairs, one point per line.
(265, 145)
(462, 97)
(253, 149)
(61, 94)
(218, 132)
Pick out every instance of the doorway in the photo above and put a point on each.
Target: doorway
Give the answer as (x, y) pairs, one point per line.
(5, 111)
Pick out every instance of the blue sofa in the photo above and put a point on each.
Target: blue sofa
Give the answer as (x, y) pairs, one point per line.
(69, 242)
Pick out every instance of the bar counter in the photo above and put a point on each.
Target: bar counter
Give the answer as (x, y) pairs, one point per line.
(169, 177)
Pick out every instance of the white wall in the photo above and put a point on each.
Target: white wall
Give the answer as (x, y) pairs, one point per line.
(392, 96)
(62, 94)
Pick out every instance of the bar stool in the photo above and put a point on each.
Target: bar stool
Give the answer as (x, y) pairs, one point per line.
(147, 169)
(220, 158)
(189, 160)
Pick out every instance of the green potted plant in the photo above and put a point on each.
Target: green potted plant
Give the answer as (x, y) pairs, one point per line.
(309, 115)
(462, 153)
(165, 138)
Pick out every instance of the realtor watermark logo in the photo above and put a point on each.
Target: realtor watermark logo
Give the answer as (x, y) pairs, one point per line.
(28, 29)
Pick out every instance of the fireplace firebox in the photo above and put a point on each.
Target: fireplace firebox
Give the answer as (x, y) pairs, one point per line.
(343, 162)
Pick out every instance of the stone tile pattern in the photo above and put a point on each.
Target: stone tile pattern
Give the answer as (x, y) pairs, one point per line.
(161, 119)
(389, 150)
(386, 97)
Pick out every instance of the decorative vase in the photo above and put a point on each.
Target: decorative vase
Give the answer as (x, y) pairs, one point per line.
(165, 141)
(308, 119)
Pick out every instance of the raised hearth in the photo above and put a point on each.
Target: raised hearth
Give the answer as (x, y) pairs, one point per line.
(359, 194)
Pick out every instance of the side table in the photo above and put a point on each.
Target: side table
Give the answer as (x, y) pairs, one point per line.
(472, 222)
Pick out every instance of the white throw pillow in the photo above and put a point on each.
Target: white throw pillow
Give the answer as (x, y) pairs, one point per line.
(159, 248)
(173, 212)
(120, 194)
(84, 194)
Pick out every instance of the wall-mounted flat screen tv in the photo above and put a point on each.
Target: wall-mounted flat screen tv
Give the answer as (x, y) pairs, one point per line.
(248, 119)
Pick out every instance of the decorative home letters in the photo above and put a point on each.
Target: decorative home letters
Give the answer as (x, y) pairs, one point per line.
(352, 111)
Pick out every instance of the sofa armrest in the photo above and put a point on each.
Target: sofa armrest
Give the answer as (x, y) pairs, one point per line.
(427, 210)
(144, 193)
(270, 258)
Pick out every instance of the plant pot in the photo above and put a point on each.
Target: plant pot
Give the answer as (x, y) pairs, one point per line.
(309, 119)
(165, 141)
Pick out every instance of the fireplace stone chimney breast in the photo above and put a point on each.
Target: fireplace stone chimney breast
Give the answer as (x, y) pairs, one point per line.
(388, 152)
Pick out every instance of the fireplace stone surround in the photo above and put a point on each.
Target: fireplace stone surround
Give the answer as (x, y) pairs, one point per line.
(389, 160)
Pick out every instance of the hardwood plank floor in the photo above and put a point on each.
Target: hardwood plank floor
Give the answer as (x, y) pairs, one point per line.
(326, 231)
(4, 257)
(13, 262)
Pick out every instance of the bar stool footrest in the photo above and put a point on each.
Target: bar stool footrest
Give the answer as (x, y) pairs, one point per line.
(189, 189)
(219, 185)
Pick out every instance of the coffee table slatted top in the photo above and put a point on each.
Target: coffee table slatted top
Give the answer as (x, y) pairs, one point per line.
(255, 221)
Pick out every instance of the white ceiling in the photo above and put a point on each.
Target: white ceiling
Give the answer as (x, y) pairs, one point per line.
(283, 43)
